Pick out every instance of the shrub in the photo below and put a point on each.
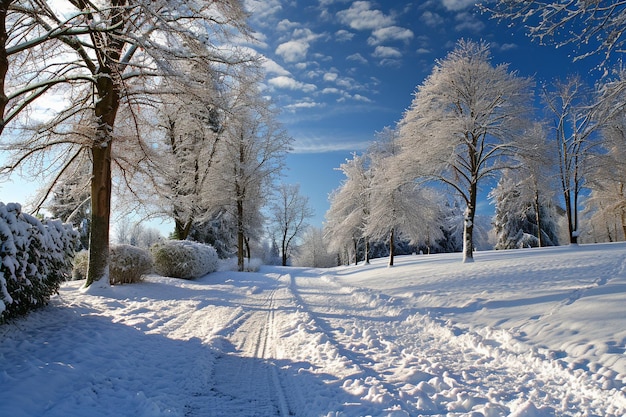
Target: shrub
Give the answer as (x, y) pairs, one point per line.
(81, 263)
(127, 264)
(183, 259)
(35, 257)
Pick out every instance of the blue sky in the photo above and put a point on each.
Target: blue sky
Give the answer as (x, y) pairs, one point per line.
(341, 70)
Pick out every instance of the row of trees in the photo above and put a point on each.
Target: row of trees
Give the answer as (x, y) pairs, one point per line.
(471, 123)
(150, 101)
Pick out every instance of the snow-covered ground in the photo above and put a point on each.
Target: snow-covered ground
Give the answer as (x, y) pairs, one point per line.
(517, 333)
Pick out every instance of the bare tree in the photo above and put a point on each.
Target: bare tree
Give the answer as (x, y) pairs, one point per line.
(464, 124)
(290, 213)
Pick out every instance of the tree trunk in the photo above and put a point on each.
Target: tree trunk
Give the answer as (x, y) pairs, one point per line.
(4, 61)
(240, 236)
(284, 246)
(181, 229)
(105, 112)
(392, 245)
(356, 251)
(367, 251)
(538, 219)
(98, 269)
(468, 226)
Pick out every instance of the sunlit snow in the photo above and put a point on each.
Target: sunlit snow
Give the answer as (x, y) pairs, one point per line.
(537, 332)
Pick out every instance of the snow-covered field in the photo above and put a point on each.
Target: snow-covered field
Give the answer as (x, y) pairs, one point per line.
(517, 333)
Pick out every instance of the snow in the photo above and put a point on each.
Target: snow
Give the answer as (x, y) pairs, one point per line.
(533, 332)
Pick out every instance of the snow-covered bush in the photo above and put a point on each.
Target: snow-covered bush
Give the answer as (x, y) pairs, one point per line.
(81, 263)
(183, 259)
(35, 257)
(127, 264)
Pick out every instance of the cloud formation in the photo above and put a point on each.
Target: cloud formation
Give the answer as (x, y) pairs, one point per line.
(360, 16)
(285, 82)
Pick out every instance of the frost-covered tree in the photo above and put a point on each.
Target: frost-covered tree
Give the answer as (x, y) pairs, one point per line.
(289, 214)
(523, 217)
(464, 125)
(250, 157)
(590, 26)
(398, 208)
(111, 68)
(191, 130)
(576, 122)
(605, 207)
(526, 212)
(347, 216)
(313, 251)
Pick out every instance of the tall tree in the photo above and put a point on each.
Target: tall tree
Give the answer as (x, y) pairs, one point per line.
(113, 67)
(251, 156)
(349, 208)
(399, 208)
(290, 213)
(464, 124)
(576, 120)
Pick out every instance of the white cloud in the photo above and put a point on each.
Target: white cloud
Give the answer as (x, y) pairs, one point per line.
(361, 16)
(357, 57)
(359, 97)
(293, 51)
(468, 22)
(303, 105)
(330, 76)
(455, 5)
(262, 10)
(423, 51)
(288, 83)
(272, 67)
(431, 19)
(286, 25)
(331, 90)
(387, 52)
(343, 35)
(390, 33)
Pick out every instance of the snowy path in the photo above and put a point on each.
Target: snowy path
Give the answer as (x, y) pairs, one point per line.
(306, 342)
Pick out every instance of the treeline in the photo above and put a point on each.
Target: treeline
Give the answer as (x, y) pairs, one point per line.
(559, 168)
(154, 107)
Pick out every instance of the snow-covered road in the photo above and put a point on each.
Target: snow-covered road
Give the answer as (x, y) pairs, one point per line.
(307, 342)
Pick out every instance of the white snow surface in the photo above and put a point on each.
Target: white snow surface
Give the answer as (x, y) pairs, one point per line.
(523, 333)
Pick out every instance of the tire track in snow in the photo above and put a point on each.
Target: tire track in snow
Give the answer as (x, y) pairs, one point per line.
(244, 379)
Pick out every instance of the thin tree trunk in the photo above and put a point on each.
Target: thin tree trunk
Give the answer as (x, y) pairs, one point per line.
(240, 236)
(356, 251)
(392, 245)
(4, 61)
(538, 219)
(367, 251)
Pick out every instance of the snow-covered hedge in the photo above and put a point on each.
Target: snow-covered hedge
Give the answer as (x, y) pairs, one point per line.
(127, 264)
(35, 257)
(183, 259)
